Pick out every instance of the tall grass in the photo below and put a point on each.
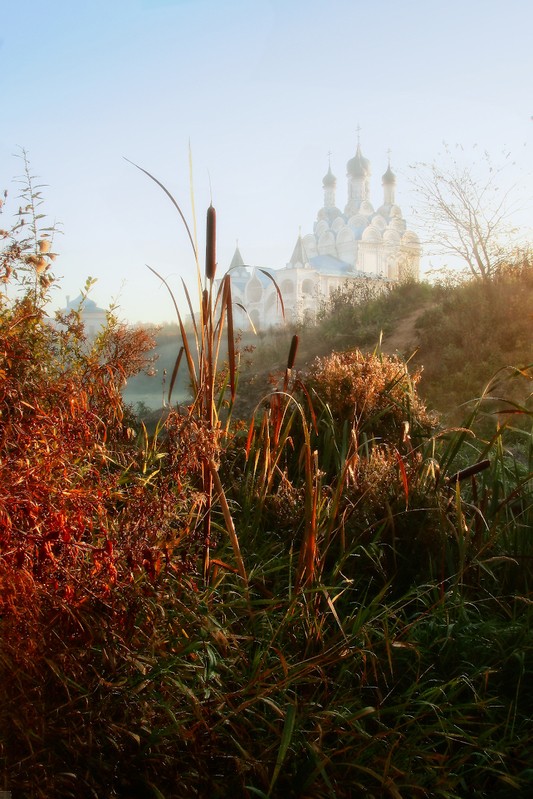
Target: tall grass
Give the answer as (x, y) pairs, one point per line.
(201, 351)
(333, 601)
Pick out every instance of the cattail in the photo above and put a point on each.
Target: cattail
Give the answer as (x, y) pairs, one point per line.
(210, 248)
(292, 352)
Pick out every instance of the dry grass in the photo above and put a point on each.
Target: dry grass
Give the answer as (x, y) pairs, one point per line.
(333, 602)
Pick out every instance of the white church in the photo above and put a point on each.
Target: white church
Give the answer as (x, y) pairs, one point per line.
(358, 243)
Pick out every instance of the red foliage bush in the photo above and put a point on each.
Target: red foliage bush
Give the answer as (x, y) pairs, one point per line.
(85, 505)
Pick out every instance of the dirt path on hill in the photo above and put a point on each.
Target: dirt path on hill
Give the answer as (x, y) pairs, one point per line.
(404, 339)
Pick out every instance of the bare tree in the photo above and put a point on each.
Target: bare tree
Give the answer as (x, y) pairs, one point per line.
(464, 210)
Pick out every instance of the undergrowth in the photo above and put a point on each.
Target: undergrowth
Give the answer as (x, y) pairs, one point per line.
(332, 600)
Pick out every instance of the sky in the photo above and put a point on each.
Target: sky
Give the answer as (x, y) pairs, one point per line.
(258, 92)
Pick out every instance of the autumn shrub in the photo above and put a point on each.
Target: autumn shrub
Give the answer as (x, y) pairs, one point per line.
(373, 392)
(93, 512)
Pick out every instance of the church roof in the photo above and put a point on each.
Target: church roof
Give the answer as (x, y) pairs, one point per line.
(358, 166)
(237, 260)
(329, 265)
(298, 255)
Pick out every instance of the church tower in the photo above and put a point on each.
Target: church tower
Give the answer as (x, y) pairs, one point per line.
(359, 244)
(329, 184)
(358, 174)
(389, 186)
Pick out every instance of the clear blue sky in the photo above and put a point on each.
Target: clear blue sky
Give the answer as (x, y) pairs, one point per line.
(263, 89)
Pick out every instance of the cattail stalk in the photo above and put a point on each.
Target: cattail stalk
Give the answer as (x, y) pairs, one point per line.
(290, 360)
(210, 247)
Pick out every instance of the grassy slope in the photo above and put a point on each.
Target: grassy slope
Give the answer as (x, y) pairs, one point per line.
(460, 335)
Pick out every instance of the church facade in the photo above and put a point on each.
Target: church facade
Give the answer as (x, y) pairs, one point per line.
(353, 244)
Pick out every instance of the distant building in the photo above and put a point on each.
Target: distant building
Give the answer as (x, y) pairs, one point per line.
(93, 317)
(354, 244)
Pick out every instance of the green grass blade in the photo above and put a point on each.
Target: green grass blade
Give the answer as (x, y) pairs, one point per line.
(285, 742)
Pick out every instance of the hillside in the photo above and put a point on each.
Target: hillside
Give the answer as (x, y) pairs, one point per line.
(460, 335)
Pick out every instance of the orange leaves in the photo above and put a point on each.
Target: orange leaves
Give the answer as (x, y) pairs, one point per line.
(403, 475)
(77, 515)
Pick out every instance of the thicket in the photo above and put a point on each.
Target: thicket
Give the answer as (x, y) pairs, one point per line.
(332, 600)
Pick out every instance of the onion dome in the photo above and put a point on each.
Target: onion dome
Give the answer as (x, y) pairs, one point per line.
(329, 181)
(358, 166)
(389, 177)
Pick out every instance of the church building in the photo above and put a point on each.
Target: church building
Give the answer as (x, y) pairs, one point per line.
(357, 243)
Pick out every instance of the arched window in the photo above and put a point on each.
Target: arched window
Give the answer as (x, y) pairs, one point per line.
(287, 288)
(308, 288)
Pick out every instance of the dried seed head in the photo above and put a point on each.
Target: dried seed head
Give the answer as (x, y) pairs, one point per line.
(44, 245)
(210, 248)
(292, 352)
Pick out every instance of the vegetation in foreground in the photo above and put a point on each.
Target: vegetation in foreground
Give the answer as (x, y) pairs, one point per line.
(332, 601)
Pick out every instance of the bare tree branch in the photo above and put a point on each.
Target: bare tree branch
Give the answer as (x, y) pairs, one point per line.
(463, 212)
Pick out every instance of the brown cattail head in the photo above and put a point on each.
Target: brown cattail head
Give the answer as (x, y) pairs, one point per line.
(292, 352)
(211, 244)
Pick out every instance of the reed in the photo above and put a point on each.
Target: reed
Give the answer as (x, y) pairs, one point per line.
(202, 356)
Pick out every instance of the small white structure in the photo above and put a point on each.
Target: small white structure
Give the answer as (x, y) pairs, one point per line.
(93, 317)
(354, 244)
